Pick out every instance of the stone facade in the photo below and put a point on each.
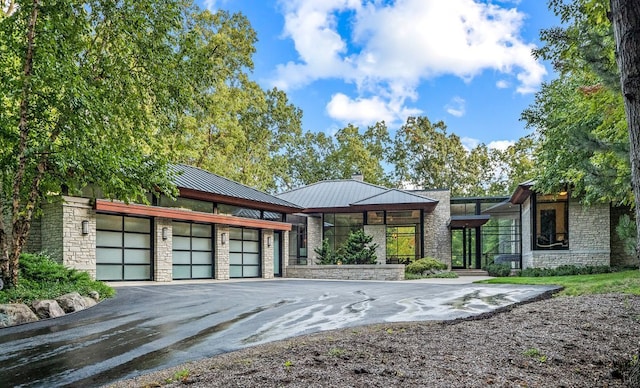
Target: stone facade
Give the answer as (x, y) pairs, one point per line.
(221, 261)
(347, 272)
(163, 265)
(437, 237)
(314, 238)
(267, 254)
(588, 245)
(379, 234)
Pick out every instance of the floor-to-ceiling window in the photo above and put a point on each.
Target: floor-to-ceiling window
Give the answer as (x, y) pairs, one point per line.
(550, 221)
(403, 236)
(338, 227)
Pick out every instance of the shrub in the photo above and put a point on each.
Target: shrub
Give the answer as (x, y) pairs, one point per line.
(42, 278)
(499, 270)
(566, 270)
(325, 255)
(358, 249)
(424, 266)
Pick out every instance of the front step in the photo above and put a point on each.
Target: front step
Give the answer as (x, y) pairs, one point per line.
(471, 272)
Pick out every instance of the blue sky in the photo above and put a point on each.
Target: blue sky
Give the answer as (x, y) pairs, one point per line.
(466, 62)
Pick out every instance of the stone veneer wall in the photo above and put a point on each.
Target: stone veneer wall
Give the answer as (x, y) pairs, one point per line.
(78, 250)
(379, 234)
(267, 254)
(347, 272)
(437, 237)
(163, 255)
(589, 240)
(527, 254)
(285, 252)
(314, 238)
(619, 257)
(51, 230)
(34, 241)
(221, 261)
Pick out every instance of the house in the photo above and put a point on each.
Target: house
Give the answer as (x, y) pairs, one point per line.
(220, 229)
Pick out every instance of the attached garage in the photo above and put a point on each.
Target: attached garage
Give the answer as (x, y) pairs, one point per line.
(192, 250)
(244, 253)
(123, 247)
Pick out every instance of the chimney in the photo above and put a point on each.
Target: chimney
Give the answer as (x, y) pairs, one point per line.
(357, 177)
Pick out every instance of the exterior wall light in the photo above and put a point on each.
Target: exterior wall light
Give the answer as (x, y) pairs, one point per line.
(223, 238)
(85, 227)
(165, 233)
(269, 241)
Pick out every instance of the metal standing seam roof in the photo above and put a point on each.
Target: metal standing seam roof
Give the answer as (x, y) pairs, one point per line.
(194, 178)
(348, 192)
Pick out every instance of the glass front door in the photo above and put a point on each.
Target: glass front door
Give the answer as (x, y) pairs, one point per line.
(464, 248)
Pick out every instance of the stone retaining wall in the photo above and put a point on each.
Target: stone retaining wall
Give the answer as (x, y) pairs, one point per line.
(347, 272)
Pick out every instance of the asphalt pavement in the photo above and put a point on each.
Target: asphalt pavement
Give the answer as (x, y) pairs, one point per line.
(147, 327)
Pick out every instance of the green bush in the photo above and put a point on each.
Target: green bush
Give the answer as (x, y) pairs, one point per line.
(498, 270)
(42, 278)
(566, 270)
(424, 266)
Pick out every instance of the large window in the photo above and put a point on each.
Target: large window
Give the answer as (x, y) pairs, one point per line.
(403, 236)
(550, 221)
(338, 226)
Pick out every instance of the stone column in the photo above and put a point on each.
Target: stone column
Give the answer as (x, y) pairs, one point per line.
(163, 252)
(221, 265)
(267, 254)
(314, 238)
(379, 234)
(78, 250)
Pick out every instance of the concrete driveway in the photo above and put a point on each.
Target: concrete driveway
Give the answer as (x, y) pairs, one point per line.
(150, 327)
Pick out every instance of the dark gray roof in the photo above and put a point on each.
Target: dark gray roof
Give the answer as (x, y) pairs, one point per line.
(193, 178)
(346, 193)
(394, 196)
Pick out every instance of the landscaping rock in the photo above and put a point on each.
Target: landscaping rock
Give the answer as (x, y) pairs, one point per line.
(16, 314)
(95, 295)
(73, 302)
(47, 308)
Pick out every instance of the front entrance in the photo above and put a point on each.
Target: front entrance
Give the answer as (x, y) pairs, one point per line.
(466, 248)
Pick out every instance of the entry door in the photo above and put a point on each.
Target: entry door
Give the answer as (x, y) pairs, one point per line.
(464, 248)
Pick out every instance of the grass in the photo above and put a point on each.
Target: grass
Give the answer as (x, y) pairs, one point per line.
(625, 282)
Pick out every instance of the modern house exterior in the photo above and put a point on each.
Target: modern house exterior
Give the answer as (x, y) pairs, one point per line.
(220, 229)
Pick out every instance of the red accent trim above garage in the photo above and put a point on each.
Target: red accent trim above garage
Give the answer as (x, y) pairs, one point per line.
(187, 215)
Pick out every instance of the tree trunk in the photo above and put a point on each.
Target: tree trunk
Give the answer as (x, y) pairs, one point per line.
(625, 17)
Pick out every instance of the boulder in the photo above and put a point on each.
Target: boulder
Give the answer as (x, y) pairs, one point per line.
(72, 302)
(16, 314)
(89, 302)
(95, 295)
(47, 309)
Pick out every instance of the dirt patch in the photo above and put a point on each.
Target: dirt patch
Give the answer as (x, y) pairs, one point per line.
(587, 341)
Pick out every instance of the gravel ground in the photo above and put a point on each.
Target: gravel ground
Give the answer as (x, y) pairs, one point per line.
(587, 341)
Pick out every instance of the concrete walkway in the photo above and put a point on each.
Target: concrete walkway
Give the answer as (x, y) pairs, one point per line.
(150, 327)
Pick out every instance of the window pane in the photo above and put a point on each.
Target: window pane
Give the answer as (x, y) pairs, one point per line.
(235, 271)
(181, 257)
(235, 234)
(141, 225)
(134, 240)
(108, 255)
(252, 234)
(181, 243)
(375, 218)
(109, 272)
(235, 258)
(137, 256)
(201, 271)
(180, 229)
(251, 258)
(235, 246)
(251, 271)
(200, 230)
(181, 272)
(201, 244)
(137, 272)
(201, 258)
(108, 239)
(108, 222)
(251, 246)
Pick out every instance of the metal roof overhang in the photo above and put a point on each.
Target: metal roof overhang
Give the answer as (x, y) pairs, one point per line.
(373, 207)
(471, 221)
(195, 194)
(187, 215)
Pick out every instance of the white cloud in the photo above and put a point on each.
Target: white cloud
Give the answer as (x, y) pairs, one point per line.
(456, 107)
(388, 49)
(501, 144)
(502, 84)
(361, 111)
(469, 143)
